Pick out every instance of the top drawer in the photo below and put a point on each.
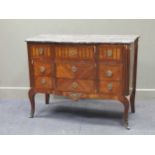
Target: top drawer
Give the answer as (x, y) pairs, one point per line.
(82, 52)
(110, 52)
(39, 50)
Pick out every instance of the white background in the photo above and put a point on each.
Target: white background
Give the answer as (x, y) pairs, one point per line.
(73, 145)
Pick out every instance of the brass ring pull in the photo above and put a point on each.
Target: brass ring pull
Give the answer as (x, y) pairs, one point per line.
(110, 86)
(109, 73)
(43, 81)
(42, 69)
(74, 69)
(74, 85)
(41, 51)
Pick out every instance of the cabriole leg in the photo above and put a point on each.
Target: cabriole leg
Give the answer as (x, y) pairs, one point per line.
(32, 102)
(47, 98)
(125, 103)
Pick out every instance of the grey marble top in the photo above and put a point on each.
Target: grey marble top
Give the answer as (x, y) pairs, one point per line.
(89, 38)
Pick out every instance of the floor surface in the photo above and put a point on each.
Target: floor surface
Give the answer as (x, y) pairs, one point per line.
(84, 117)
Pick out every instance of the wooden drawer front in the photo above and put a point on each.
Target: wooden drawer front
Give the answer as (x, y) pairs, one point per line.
(43, 82)
(42, 68)
(76, 52)
(111, 87)
(41, 51)
(110, 72)
(110, 52)
(75, 70)
(75, 85)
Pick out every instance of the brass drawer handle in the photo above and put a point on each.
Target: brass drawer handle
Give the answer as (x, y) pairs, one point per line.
(72, 52)
(42, 69)
(109, 53)
(109, 73)
(41, 51)
(43, 81)
(110, 86)
(74, 85)
(74, 69)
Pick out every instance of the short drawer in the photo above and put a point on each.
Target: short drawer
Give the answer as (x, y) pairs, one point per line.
(110, 52)
(110, 72)
(110, 87)
(84, 52)
(43, 82)
(42, 68)
(65, 85)
(37, 51)
(75, 70)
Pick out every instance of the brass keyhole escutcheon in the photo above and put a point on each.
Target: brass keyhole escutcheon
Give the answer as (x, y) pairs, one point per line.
(42, 69)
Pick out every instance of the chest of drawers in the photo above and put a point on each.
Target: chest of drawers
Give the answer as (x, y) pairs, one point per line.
(84, 66)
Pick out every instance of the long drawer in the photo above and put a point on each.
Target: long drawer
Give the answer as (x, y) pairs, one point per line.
(86, 86)
(75, 70)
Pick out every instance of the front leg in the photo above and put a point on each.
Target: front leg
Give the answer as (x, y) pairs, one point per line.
(125, 102)
(31, 94)
(47, 98)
